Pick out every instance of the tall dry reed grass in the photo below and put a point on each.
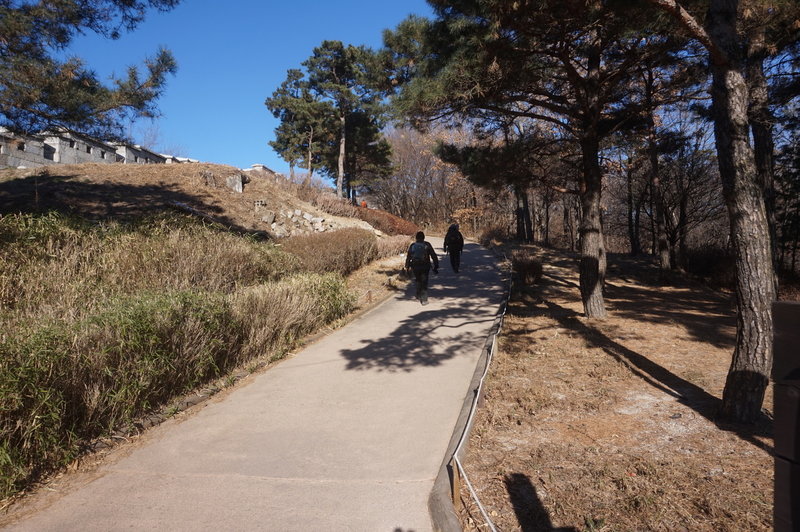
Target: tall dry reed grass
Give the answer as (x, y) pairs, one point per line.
(393, 245)
(102, 323)
(60, 266)
(342, 251)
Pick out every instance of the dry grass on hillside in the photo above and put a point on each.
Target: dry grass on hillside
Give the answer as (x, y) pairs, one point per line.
(610, 425)
(122, 191)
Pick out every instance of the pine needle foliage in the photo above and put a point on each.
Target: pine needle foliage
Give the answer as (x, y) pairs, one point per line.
(39, 91)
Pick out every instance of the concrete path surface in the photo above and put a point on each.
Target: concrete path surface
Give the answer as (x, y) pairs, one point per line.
(348, 434)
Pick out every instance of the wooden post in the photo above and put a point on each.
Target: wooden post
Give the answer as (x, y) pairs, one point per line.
(786, 376)
(455, 484)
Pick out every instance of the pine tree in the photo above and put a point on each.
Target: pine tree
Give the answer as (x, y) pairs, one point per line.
(718, 25)
(305, 126)
(38, 91)
(566, 63)
(331, 115)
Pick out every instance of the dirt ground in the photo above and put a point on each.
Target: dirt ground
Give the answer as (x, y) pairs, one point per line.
(610, 425)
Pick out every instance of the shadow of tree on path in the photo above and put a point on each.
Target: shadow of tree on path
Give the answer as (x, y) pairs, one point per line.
(444, 329)
(531, 514)
(412, 344)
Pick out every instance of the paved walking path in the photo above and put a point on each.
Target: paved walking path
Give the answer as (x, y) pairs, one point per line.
(348, 434)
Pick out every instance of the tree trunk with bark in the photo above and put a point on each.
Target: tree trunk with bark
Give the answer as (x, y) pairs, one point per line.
(592, 246)
(593, 252)
(655, 178)
(569, 225)
(310, 156)
(761, 121)
(755, 290)
(547, 222)
(660, 227)
(633, 221)
(523, 212)
(340, 174)
(653, 232)
(683, 215)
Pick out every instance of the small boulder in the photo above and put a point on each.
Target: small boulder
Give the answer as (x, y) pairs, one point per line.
(268, 217)
(235, 183)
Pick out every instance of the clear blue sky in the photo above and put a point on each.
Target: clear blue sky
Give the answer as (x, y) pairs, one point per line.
(231, 56)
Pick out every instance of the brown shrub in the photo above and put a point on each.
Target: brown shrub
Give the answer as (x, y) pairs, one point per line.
(527, 266)
(326, 200)
(392, 245)
(494, 236)
(60, 266)
(275, 315)
(67, 383)
(342, 251)
(386, 222)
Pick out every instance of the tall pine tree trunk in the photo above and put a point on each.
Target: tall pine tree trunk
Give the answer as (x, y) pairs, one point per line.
(683, 214)
(653, 232)
(593, 253)
(633, 222)
(761, 126)
(660, 226)
(310, 155)
(637, 224)
(655, 178)
(794, 249)
(523, 212)
(547, 222)
(755, 291)
(569, 231)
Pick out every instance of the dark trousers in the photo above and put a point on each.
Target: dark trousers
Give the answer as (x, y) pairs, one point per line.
(455, 259)
(421, 276)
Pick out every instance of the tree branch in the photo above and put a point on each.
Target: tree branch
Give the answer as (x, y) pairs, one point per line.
(526, 114)
(685, 19)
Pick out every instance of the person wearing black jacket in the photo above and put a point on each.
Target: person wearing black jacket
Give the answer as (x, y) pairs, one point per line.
(454, 243)
(418, 259)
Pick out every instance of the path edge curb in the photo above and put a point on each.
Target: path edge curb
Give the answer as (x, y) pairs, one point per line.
(440, 501)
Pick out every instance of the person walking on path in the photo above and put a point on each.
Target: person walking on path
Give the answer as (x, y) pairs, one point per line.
(418, 259)
(454, 243)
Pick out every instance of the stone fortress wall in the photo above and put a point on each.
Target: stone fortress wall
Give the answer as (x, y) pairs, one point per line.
(66, 147)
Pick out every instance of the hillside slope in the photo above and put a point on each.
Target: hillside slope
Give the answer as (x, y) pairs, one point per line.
(265, 203)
